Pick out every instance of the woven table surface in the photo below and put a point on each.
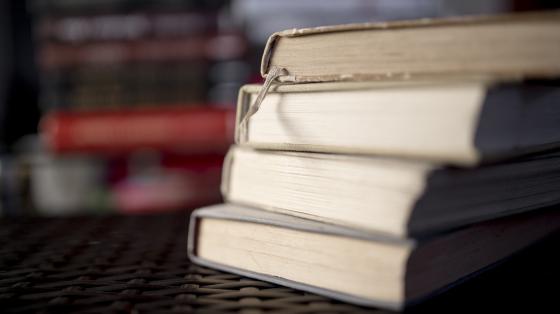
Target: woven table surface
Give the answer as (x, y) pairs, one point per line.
(138, 264)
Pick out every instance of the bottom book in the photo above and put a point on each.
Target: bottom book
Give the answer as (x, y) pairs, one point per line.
(356, 266)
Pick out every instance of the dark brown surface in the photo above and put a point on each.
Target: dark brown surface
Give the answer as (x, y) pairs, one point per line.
(138, 264)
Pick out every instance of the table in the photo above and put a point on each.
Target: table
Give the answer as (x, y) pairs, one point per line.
(138, 264)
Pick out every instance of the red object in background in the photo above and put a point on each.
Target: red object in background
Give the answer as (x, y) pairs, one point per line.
(191, 130)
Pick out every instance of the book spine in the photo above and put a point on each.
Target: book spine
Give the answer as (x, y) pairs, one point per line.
(86, 7)
(226, 173)
(124, 86)
(267, 54)
(191, 130)
(243, 100)
(118, 96)
(131, 26)
(57, 55)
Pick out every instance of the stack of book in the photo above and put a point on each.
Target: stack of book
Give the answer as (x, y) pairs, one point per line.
(382, 163)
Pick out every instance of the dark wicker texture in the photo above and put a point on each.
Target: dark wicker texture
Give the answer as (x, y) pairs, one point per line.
(138, 264)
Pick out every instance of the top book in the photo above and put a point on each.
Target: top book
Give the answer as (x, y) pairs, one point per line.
(524, 45)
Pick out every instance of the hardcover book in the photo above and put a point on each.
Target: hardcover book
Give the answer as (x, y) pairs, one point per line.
(516, 45)
(456, 121)
(351, 265)
(394, 196)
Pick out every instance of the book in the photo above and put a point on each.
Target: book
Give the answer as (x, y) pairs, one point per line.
(458, 121)
(83, 7)
(203, 47)
(121, 96)
(398, 197)
(515, 45)
(188, 129)
(126, 26)
(351, 265)
(94, 87)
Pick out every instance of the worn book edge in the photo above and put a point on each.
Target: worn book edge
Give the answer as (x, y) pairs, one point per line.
(226, 173)
(243, 214)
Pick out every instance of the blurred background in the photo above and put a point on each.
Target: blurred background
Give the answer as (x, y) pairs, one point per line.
(128, 106)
